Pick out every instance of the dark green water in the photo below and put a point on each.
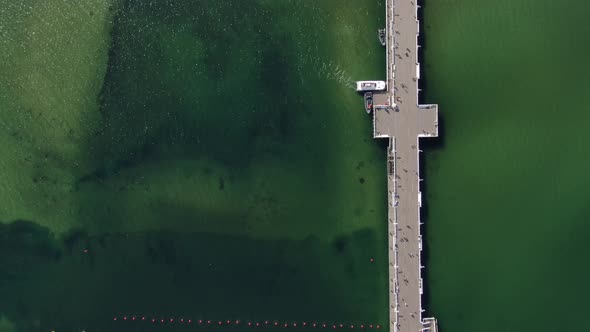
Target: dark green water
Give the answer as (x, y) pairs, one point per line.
(508, 194)
(214, 161)
(204, 159)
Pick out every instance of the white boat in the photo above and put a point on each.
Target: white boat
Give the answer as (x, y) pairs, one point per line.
(370, 85)
(382, 36)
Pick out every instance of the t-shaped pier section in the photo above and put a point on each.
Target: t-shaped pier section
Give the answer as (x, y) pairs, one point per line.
(398, 117)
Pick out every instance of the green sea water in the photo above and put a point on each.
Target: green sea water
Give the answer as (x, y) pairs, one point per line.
(213, 160)
(205, 159)
(508, 185)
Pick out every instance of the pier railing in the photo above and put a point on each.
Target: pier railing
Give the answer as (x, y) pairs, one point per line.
(391, 171)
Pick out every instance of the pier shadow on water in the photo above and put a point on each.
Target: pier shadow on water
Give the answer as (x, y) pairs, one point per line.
(427, 163)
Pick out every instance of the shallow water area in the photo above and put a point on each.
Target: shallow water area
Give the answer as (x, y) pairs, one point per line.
(189, 159)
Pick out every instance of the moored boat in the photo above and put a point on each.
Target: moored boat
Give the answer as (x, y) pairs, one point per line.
(382, 36)
(370, 85)
(368, 102)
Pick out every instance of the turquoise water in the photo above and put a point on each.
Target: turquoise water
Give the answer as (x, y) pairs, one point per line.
(200, 159)
(508, 186)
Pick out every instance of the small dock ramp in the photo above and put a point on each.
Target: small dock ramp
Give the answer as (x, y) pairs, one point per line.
(429, 325)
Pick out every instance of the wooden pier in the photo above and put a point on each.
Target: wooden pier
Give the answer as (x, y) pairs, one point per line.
(398, 117)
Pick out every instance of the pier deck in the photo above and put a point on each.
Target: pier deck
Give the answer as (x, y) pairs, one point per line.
(399, 117)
